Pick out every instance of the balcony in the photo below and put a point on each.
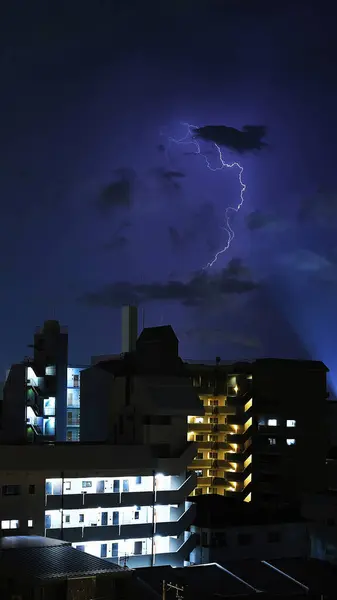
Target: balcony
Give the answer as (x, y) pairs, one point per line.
(219, 410)
(213, 445)
(111, 500)
(209, 427)
(181, 551)
(100, 533)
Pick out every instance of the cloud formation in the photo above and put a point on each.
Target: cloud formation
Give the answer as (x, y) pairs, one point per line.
(250, 138)
(119, 193)
(168, 177)
(234, 279)
(260, 220)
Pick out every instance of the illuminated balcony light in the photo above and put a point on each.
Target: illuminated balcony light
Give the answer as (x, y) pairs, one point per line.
(236, 389)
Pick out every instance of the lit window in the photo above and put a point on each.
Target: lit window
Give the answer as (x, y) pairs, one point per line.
(12, 524)
(291, 423)
(51, 370)
(30, 522)
(272, 422)
(291, 442)
(272, 441)
(199, 419)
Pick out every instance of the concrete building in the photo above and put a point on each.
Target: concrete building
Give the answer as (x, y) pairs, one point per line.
(123, 503)
(41, 395)
(228, 529)
(256, 437)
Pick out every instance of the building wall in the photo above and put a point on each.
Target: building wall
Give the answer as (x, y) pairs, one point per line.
(73, 403)
(262, 542)
(14, 404)
(289, 390)
(133, 505)
(97, 387)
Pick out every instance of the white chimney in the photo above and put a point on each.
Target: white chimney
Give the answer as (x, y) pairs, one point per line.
(129, 328)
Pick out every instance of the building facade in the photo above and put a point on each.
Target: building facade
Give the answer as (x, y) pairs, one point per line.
(122, 503)
(41, 395)
(255, 438)
(229, 530)
(73, 403)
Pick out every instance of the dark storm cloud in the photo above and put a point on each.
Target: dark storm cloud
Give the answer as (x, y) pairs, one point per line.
(194, 292)
(168, 177)
(250, 138)
(259, 220)
(119, 193)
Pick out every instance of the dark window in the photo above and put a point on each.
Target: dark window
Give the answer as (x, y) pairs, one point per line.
(244, 539)
(67, 519)
(199, 438)
(81, 518)
(198, 472)
(200, 455)
(137, 515)
(198, 492)
(86, 484)
(138, 480)
(274, 537)
(11, 490)
(31, 488)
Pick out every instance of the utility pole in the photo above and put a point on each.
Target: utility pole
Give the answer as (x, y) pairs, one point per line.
(171, 586)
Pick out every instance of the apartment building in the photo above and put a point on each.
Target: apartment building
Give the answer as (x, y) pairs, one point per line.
(41, 395)
(256, 436)
(126, 504)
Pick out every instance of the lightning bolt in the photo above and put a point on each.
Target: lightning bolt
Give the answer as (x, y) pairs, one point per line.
(189, 138)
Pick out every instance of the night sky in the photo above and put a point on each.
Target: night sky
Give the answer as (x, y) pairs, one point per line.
(100, 208)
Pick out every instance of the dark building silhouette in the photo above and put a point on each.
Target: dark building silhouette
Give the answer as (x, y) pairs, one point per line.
(35, 391)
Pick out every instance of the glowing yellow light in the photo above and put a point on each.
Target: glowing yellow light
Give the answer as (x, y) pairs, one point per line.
(236, 389)
(249, 404)
(248, 498)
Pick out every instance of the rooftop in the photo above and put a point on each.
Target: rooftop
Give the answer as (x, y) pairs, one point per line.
(216, 512)
(284, 578)
(36, 557)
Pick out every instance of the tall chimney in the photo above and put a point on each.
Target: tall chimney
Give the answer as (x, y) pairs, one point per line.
(129, 328)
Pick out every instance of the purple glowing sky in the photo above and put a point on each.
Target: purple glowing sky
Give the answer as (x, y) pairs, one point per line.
(87, 93)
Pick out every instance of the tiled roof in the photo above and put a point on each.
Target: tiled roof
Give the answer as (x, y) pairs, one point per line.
(47, 560)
